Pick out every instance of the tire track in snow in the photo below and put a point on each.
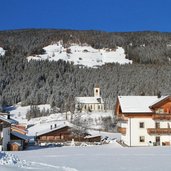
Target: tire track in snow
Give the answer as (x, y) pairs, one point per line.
(61, 168)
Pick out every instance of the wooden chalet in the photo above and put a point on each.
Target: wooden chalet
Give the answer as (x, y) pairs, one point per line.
(144, 120)
(60, 134)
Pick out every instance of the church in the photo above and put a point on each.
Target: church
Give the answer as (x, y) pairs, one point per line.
(90, 104)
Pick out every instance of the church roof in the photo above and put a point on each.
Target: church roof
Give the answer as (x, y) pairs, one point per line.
(89, 100)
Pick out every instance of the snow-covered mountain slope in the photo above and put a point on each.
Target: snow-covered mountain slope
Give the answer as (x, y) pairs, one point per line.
(2, 51)
(83, 55)
(19, 112)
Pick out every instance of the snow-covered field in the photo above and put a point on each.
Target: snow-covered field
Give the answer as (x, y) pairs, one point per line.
(2, 51)
(110, 157)
(83, 55)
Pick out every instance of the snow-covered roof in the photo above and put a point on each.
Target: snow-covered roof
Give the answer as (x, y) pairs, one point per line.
(138, 104)
(19, 135)
(17, 143)
(10, 121)
(89, 100)
(53, 128)
(158, 100)
(44, 127)
(92, 136)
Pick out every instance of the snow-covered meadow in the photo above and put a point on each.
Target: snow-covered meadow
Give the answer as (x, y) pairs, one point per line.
(83, 55)
(108, 157)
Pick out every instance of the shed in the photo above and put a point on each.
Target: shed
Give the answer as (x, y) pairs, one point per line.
(93, 138)
(15, 146)
(22, 139)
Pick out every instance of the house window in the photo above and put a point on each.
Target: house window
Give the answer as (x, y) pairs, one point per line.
(98, 106)
(141, 125)
(85, 107)
(142, 139)
(157, 125)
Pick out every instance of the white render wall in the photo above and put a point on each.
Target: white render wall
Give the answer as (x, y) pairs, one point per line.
(95, 107)
(133, 131)
(6, 138)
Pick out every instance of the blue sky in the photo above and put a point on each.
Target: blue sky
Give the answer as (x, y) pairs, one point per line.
(106, 15)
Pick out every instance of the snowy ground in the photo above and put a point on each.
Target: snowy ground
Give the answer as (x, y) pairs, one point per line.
(110, 157)
(82, 55)
(18, 112)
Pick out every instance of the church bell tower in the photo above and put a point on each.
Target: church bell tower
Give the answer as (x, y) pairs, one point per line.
(97, 91)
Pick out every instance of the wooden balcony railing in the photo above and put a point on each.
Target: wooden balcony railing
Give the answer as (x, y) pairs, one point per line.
(161, 116)
(159, 131)
(122, 130)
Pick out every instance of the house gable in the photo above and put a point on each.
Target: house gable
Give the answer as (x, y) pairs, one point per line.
(162, 106)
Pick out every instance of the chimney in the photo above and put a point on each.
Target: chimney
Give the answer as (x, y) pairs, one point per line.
(159, 94)
(55, 125)
(8, 115)
(51, 127)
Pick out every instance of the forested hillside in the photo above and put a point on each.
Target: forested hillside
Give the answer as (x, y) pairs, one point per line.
(57, 83)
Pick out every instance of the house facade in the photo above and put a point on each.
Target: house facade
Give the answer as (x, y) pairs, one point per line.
(88, 104)
(144, 120)
(5, 129)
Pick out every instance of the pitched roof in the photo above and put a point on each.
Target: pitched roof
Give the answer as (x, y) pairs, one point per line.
(10, 121)
(138, 104)
(53, 129)
(159, 101)
(19, 135)
(90, 100)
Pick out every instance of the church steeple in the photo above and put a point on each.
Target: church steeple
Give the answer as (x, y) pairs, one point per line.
(96, 91)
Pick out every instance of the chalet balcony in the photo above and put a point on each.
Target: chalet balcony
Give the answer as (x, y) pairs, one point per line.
(159, 131)
(121, 130)
(161, 116)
